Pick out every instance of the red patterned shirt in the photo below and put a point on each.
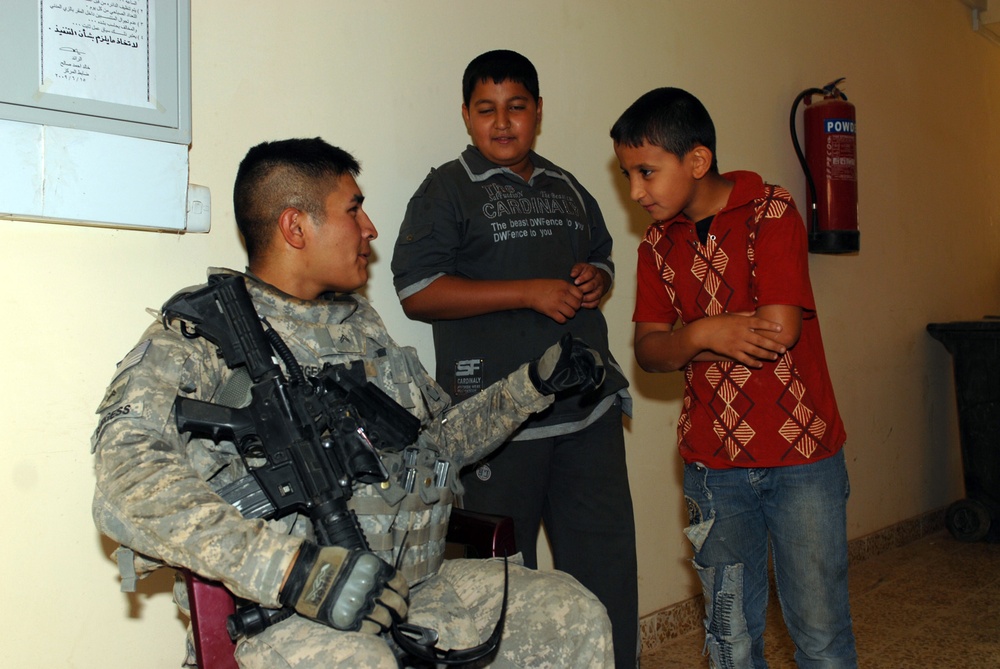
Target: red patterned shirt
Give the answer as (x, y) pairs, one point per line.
(784, 413)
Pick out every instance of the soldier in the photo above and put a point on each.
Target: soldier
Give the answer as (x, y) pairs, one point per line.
(299, 210)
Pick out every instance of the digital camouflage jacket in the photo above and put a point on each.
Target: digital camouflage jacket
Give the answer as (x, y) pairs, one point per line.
(156, 488)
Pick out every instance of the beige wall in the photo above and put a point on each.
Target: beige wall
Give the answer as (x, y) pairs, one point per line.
(381, 79)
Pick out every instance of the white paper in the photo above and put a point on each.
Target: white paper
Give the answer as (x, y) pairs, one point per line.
(98, 50)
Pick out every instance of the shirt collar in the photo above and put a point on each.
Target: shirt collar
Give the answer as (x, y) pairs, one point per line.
(480, 168)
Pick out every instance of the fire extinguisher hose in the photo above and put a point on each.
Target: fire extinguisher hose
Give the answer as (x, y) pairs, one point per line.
(814, 212)
(830, 89)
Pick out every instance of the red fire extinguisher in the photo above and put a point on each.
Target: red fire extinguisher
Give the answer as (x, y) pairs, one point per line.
(831, 168)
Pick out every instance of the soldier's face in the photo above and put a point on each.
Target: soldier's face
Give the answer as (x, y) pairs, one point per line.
(341, 245)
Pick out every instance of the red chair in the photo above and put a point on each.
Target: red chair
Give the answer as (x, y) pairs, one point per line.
(478, 535)
(210, 604)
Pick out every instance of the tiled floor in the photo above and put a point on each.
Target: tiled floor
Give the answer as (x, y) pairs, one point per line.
(932, 604)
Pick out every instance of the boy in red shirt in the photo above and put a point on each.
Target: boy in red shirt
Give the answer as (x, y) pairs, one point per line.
(724, 295)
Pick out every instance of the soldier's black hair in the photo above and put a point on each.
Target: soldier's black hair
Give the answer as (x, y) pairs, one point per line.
(500, 65)
(670, 118)
(286, 173)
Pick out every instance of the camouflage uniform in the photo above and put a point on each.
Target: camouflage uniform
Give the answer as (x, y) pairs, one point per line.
(156, 495)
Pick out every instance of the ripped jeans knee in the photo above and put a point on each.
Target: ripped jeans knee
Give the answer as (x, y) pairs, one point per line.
(732, 587)
(727, 640)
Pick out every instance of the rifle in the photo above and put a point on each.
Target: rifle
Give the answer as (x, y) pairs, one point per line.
(305, 441)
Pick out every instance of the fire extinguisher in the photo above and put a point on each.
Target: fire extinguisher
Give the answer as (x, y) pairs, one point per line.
(831, 169)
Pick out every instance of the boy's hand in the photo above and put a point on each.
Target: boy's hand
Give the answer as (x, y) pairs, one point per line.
(557, 299)
(592, 281)
(739, 336)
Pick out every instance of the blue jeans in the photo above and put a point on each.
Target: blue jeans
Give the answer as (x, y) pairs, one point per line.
(802, 510)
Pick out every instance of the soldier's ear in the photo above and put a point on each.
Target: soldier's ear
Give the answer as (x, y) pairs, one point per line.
(290, 226)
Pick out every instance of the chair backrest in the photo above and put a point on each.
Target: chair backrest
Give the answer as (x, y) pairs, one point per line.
(482, 535)
(211, 604)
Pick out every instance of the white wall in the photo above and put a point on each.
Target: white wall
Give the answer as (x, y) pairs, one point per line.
(382, 79)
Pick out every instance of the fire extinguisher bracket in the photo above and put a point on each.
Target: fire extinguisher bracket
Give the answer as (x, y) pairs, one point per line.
(834, 241)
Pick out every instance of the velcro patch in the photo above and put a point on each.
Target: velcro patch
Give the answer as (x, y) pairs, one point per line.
(128, 410)
(340, 339)
(134, 357)
(115, 393)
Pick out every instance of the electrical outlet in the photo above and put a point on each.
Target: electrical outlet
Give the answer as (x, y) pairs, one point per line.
(199, 209)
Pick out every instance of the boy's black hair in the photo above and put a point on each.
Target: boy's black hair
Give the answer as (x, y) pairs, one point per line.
(500, 66)
(670, 118)
(287, 173)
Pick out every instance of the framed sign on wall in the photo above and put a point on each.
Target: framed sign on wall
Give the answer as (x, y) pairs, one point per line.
(95, 114)
(112, 66)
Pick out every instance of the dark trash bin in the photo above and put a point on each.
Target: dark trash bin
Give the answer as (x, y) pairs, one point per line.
(975, 350)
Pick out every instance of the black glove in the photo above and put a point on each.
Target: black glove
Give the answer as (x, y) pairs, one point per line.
(350, 590)
(570, 363)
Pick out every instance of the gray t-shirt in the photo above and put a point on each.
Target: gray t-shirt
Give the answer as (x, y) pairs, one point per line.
(474, 219)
